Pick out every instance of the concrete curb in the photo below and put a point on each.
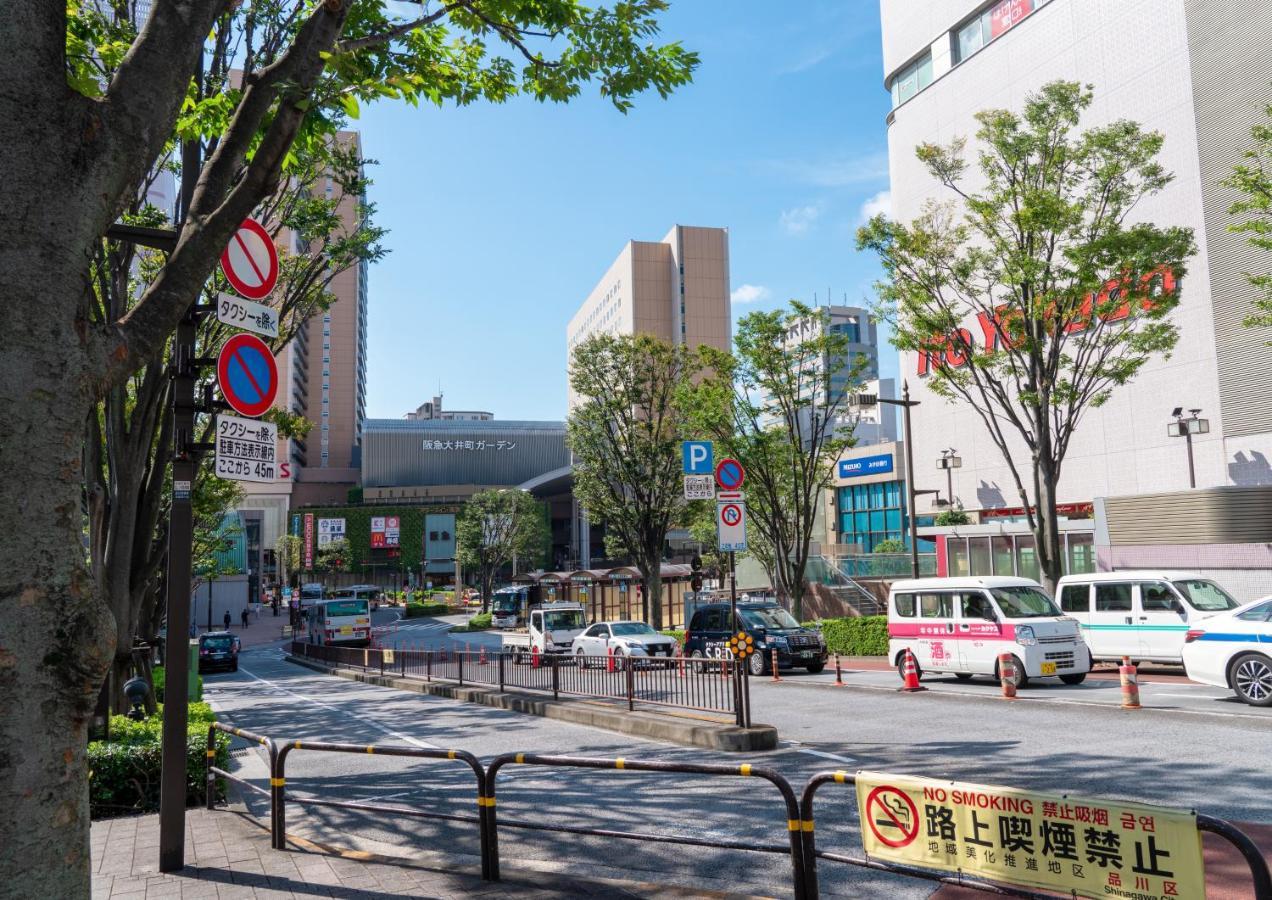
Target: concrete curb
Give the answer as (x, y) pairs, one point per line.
(729, 738)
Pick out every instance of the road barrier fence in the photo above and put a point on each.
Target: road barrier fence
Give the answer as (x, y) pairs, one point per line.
(797, 811)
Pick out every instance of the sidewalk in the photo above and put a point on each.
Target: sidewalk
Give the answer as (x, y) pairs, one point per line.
(261, 629)
(228, 856)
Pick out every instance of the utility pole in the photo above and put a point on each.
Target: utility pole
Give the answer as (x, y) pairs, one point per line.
(911, 491)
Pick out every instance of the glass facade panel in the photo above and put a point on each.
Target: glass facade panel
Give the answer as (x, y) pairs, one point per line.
(893, 520)
(871, 513)
(911, 80)
(956, 556)
(876, 521)
(1081, 555)
(894, 493)
(1026, 557)
(980, 557)
(1004, 561)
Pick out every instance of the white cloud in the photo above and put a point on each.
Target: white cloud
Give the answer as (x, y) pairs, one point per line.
(809, 60)
(833, 172)
(879, 203)
(750, 293)
(799, 219)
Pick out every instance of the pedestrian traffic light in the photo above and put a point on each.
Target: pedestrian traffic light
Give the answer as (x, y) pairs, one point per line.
(695, 566)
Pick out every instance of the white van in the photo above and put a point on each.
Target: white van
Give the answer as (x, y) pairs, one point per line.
(961, 625)
(1141, 614)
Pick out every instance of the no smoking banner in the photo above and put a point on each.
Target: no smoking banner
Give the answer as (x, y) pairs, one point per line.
(892, 816)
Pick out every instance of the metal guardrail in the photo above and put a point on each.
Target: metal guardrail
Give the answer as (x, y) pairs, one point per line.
(706, 685)
(799, 811)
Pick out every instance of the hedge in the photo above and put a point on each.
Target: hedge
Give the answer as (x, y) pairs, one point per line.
(479, 622)
(862, 636)
(413, 610)
(678, 634)
(123, 773)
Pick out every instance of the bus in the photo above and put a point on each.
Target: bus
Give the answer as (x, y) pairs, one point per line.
(346, 622)
(309, 593)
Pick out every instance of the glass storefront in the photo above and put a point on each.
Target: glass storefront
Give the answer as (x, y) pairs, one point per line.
(872, 513)
(1015, 554)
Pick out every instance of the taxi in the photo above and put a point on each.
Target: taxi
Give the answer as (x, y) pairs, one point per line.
(1234, 650)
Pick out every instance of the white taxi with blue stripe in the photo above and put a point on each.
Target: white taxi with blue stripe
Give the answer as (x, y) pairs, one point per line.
(1234, 650)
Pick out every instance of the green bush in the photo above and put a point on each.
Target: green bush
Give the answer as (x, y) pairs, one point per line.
(414, 610)
(479, 622)
(863, 636)
(124, 772)
(679, 635)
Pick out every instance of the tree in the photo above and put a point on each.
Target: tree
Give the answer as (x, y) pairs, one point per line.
(493, 529)
(335, 557)
(625, 434)
(890, 545)
(781, 405)
(1071, 295)
(952, 517)
(1253, 178)
(101, 105)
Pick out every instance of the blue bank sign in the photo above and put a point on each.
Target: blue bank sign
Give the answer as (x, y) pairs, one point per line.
(865, 465)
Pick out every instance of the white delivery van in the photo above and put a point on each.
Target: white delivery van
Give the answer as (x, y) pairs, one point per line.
(1141, 614)
(961, 625)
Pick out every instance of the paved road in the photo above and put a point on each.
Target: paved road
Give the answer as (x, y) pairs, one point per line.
(1216, 763)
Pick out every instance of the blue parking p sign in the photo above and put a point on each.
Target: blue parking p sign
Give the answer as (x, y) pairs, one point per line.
(698, 458)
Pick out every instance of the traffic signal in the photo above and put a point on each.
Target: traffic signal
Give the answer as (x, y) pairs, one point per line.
(695, 579)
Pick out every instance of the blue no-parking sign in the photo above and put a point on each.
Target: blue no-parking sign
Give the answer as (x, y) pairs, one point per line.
(698, 457)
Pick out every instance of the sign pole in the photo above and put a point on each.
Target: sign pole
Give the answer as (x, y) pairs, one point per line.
(172, 778)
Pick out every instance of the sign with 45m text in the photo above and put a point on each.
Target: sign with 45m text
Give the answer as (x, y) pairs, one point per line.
(865, 465)
(1057, 842)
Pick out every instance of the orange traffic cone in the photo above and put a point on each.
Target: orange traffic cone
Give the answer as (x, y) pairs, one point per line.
(911, 672)
(534, 657)
(1007, 674)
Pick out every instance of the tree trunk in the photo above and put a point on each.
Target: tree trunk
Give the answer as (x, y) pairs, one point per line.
(1047, 533)
(652, 601)
(57, 639)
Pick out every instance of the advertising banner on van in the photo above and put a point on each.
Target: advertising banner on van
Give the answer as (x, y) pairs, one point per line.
(1058, 842)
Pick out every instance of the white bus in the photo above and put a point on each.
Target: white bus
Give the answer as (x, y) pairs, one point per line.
(346, 622)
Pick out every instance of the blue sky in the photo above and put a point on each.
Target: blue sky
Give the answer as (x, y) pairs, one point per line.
(502, 218)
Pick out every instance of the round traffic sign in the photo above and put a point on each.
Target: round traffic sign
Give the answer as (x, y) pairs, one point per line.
(729, 474)
(247, 374)
(893, 810)
(250, 262)
(730, 514)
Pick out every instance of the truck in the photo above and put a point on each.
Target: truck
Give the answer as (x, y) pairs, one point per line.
(509, 606)
(551, 628)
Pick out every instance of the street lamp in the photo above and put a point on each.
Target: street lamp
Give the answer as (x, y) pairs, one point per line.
(1186, 428)
(949, 461)
(905, 403)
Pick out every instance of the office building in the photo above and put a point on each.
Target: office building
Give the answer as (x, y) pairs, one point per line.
(676, 289)
(1197, 71)
(432, 410)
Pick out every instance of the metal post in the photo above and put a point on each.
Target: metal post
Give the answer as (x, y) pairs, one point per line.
(949, 481)
(172, 779)
(909, 482)
(501, 669)
(556, 681)
(733, 590)
(1192, 475)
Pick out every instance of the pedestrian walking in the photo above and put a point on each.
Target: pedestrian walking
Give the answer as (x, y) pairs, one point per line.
(227, 620)
(243, 616)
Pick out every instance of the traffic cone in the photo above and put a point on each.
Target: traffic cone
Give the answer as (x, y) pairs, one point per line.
(1130, 684)
(776, 677)
(609, 659)
(534, 657)
(839, 675)
(910, 670)
(1007, 674)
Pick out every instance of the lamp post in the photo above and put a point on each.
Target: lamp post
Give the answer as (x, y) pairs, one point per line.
(1186, 427)
(949, 461)
(911, 493)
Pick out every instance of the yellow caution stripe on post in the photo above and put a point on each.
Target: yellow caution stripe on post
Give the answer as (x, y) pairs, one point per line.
(277, 782)
(450, 754)
(370, 749)
(297, 745)
(618, 763)
(792, 824)
(211, 754)
(485, 801)
(744, 769)
(521, 758)
(841, 777)
(808, 824)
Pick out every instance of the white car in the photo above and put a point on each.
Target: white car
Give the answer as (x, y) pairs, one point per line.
(634, 639)
(1234, 650)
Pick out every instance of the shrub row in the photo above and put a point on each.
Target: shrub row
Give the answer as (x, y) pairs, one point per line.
(678, 634)
(863, 636)
(414, 610)
(479, 622)
(124, 772)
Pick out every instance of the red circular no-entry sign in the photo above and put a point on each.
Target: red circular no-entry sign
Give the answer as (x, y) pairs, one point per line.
(247, 374)
(892, 816)
(250, 262)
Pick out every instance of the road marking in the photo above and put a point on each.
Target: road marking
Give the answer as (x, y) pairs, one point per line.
(374, 724)
(823, 754)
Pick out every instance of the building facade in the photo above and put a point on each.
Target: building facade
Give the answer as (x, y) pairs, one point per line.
(432, 409)
(946, 61)
(676, 289)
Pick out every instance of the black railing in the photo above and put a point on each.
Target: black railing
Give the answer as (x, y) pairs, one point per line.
(707, 685)
(796, 811)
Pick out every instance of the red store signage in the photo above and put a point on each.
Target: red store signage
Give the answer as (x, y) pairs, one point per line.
(1006, 14)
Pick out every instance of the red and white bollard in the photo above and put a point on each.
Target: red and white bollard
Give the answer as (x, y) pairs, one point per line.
(1130, 684)
(483, 655)
(534, 657)
(776, 677)
(1007, 675)
(609, 659)
(839, 675)
(910, 672)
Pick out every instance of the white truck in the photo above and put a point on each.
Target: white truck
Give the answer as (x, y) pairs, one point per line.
(551, 628)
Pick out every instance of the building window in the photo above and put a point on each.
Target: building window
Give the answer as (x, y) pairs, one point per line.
(991, 24)
(912, 79)
(1081, 555)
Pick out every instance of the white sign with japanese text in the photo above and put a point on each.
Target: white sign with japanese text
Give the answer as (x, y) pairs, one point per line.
(246, 449)
(239, 313)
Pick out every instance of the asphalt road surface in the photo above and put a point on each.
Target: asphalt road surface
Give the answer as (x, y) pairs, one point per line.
(1214, 763)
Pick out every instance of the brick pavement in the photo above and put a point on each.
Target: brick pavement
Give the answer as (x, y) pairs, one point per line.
(228, 855)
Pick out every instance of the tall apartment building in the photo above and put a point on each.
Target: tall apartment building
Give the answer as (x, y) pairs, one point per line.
(323, 376)
(676, 289)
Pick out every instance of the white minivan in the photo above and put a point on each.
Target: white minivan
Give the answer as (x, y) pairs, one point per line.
(1141, 614)
(961, 625)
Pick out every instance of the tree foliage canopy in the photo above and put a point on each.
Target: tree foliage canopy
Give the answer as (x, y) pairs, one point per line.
(496, 526)
(1253, 178)
(1042, 256)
